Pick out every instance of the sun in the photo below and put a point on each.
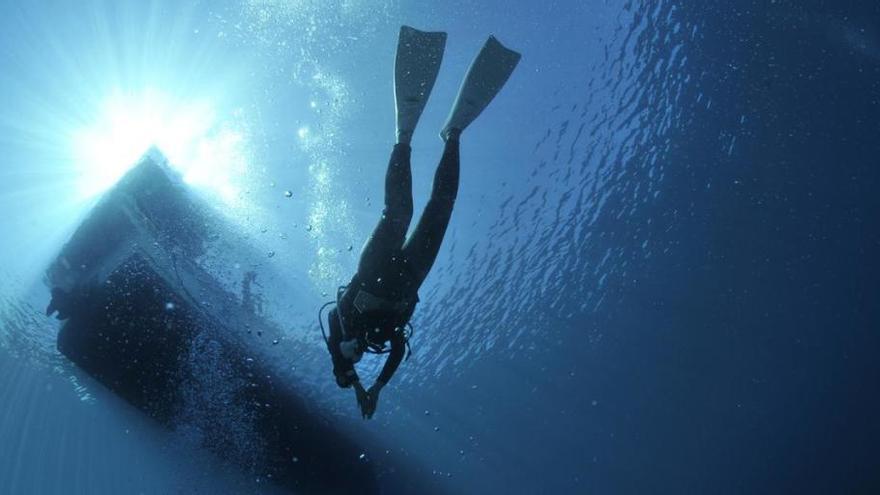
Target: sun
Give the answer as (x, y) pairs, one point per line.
(209, 152)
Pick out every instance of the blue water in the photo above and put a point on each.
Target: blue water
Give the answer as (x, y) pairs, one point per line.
(660, 276)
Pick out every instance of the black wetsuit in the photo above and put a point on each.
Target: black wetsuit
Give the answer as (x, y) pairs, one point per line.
(392, 267)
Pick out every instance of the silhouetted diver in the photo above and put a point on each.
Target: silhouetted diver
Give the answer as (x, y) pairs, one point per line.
(375, 307)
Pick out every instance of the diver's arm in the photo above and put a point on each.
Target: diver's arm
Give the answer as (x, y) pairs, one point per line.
(398, 349)
(350, 375)
(342, 368)
(363, 399)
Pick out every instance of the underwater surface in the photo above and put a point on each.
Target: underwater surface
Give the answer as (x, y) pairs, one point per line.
(661, 273)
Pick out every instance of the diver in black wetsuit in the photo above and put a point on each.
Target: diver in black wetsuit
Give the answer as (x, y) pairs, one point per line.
(382, 295)
(375, 307)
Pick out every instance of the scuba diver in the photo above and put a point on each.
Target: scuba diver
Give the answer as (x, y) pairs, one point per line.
(374, 309)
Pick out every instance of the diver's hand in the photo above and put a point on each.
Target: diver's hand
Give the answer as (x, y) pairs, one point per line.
(363, 398)
(343, 380)
(373, 396)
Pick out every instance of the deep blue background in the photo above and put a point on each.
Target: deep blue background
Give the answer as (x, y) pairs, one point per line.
(661, 275)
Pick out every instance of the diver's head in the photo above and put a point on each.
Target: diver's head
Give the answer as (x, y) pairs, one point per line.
(352, 350)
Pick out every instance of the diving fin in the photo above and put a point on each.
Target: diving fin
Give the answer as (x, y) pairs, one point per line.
(485, 78)
(419, 54)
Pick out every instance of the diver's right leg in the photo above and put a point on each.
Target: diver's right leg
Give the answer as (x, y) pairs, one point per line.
(415, 69)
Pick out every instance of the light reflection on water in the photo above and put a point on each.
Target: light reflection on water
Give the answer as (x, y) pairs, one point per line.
(557, 253)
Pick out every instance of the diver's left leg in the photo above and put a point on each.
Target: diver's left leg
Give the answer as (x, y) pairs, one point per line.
(423, 244)
(390, 232)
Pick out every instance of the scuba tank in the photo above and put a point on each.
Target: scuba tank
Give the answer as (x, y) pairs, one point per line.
(363, 342)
